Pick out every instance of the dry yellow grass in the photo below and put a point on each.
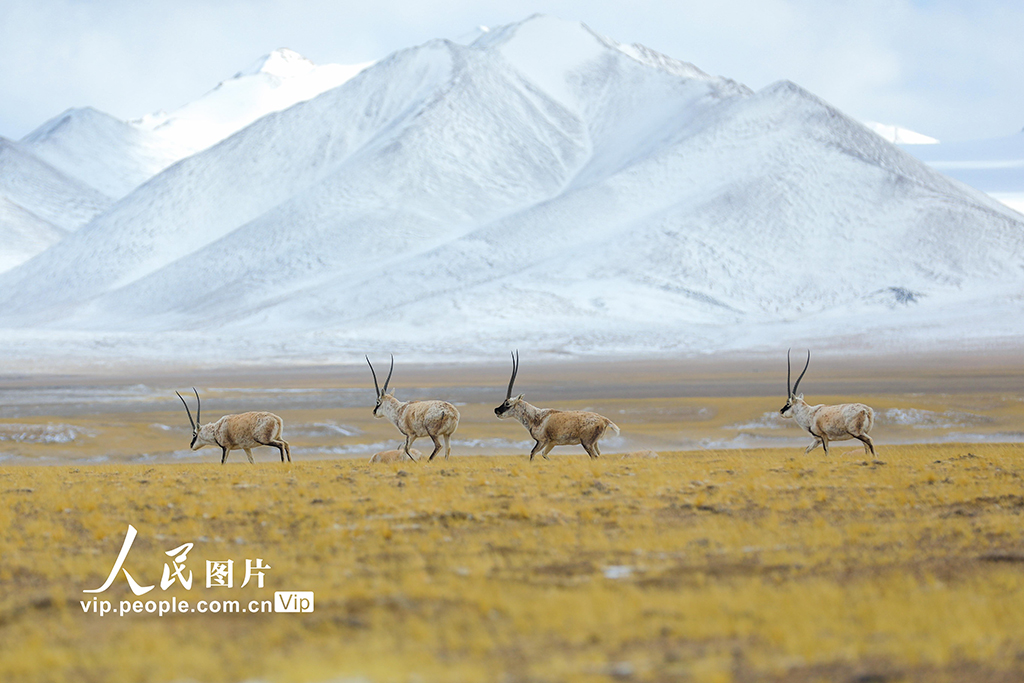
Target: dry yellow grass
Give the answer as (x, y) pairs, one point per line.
(705, 566)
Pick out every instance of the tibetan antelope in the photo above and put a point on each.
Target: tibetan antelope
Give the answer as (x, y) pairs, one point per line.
(232, 432)
(394, 455)
(828, 423)
(550, 428)
(415, 419)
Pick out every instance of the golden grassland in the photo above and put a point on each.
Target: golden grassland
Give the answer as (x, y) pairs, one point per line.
(703, 565)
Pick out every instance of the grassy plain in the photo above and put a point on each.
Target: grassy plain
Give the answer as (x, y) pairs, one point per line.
(704, 566)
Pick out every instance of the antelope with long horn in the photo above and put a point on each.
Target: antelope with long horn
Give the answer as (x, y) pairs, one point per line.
(244, 431)
(549, 427)
(414, 419)
(828, 423)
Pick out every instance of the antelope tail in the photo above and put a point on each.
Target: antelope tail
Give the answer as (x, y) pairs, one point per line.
(614, 426)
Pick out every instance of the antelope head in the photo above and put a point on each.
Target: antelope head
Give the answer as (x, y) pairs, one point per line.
(505, 408)
(381, 393)
(201, 435)
(793, 397)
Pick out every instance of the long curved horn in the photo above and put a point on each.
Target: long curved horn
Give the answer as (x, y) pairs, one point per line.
(796, 387)
(375, 385)
(388, 380)
(515, 369)
(789, 374)
(191, 421)
(199, 409)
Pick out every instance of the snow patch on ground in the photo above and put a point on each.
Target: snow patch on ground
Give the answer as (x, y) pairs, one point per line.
(48, 433)
(769, 420)
(322, 429)
(927, 419)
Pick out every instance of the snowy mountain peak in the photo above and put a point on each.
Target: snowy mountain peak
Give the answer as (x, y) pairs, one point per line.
(567, 42)
(557, 55)
(103, 152)
(646, 55)
(899, 135)
(552, 52)
(68, 119)
(272, 83)
(282, 63)
(469, 37)
(548, 50)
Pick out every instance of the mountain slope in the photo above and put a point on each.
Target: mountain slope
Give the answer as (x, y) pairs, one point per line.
(41, 189)
(98, 150)
(38, 204)
(23, 234)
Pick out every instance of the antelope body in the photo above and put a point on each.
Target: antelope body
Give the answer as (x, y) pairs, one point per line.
(243, 431)
(437, 420)
(549, 427)
(828, 423)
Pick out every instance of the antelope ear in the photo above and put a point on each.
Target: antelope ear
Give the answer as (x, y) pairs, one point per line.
(800, 397)
(520, 397)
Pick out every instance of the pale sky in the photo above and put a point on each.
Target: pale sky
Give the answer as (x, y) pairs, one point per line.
(952, 70)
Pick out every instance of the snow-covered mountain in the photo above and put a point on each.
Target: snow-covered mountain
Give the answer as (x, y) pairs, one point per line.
(114, 156)
(543, 186)
(64, 173)
(38, 204)
(274, 82)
